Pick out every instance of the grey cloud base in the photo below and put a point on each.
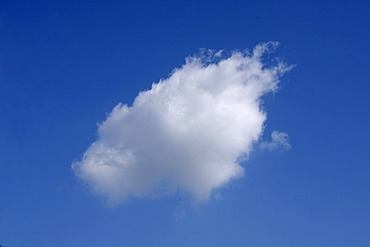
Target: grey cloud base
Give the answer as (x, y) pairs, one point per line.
(186, 133)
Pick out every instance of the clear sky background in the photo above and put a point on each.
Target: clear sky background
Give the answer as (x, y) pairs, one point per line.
(65, 64)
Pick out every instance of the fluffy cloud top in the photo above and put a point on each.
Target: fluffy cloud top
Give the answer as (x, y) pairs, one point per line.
(187, 133)
(279, 140)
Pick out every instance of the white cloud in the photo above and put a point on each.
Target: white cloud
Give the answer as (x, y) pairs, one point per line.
(279, 140)
(187, 133)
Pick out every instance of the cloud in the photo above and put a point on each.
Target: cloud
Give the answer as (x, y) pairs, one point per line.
(279, 141)
(186, 134)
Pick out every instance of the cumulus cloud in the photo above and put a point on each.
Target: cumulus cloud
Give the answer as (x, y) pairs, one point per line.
(188, 133)
(279, 141)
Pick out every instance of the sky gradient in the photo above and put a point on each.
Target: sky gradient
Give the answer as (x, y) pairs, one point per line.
(64, 65)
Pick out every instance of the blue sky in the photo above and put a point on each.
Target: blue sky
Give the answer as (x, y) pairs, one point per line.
(65, 64)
